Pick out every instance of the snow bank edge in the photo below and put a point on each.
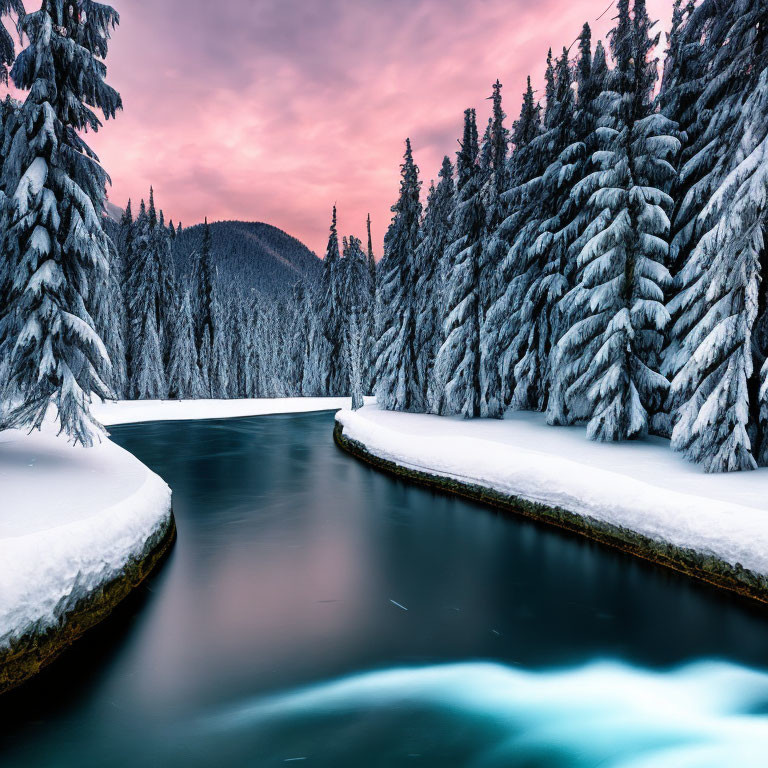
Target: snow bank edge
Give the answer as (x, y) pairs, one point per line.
(30, 654)
(701, 566)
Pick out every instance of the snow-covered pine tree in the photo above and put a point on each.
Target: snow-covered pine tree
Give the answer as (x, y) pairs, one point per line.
(237, 351)
(618, 302)
(685, 78)
(457, 365)
(499, 328)
(124, 241)
(434, 238)
(371, 260)
(149, 382)
(51, 229)
(494, 249)
(357, 297)
(108, 312)
(333, 314)
(203, 293)
(316, 347)
(272, 382)
(543, 260)
(295, 350)
(371, 364)
(167, 281)
(576, 183)
(10, 110)
(219, 371)
(206, 364)
(184, 381)
(7, 48)
(718, 393)
(396, 378)
(145, 311)
(508, 326)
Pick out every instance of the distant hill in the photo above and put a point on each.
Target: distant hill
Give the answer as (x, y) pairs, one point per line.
(115, 212)
(252, 255)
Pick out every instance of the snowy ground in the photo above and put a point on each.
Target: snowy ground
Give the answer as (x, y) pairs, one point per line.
(71, 519)
(127, 412)
(641, 486)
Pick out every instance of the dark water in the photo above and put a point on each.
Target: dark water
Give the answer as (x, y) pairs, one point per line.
(315, 612)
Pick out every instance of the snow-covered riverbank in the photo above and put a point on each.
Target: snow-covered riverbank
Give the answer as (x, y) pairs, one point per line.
(132, 411)
(636, 488)
(74, 520)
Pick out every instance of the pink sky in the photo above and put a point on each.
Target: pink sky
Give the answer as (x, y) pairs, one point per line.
(272, 110)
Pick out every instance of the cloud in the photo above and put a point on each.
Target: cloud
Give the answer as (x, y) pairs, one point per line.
(273, 110)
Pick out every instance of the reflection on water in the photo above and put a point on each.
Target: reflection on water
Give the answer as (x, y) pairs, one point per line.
(293, 567)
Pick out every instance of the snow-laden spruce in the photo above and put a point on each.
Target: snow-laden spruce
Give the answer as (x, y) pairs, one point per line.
(541, 265)
(430, 285)
(457, 366)
(7, 47)
(184, 380)
(397, 385)
(562, 235)
(719, 344)
(500, 323)
(333, 318)
(609, 356)
(356, 293)
(146, 309)
(494, 249)
(54, 249)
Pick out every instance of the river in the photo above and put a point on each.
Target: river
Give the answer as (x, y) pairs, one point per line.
(316, 612)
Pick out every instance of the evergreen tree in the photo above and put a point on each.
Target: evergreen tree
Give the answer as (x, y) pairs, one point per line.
(499, 329)
(494, 249)
(371, 259)
(543, 258)
(457, 366)
(333, 317)
(148, 379)
(10, 111)
(184, 380)
(316, 347)
(371, 363)
(51, 228)
(160, 244)
(357, 296)
(109, 313)
(569, 229)
(397, 387)
(149, 374)
(434, 239)
(502, 330)
(219, 370)
(7, 48)
(718, 394)
(204, 290)
(611, 350)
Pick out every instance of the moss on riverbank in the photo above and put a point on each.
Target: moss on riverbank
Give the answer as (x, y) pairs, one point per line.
(32, 653)
(701, 566)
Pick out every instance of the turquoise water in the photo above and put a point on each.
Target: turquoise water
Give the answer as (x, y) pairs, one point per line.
(315, 612)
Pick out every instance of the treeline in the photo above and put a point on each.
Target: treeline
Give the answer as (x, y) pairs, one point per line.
(601, 261)
(189, 333)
